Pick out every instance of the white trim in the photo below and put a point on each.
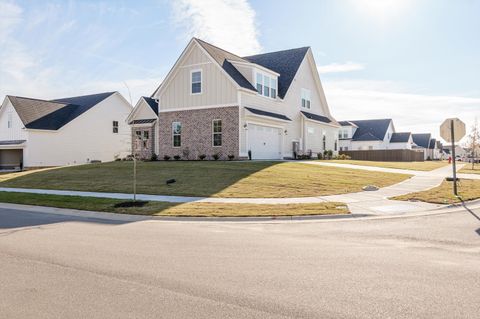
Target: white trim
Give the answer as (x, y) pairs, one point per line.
(194, 64)
(201, 81)
(266, 117)
(213, 133)
(264, 124)
(254, 65)
(173, 141)
(141, 103)
(319, 122)
(190, 108)
(269, 97)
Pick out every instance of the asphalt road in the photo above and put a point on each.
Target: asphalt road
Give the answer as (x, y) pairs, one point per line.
(61, 267)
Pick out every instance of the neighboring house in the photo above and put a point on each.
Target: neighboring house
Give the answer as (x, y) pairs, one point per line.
(422, 142)
(76, 130)
(267, 105)
(144, 128)
(372, 135)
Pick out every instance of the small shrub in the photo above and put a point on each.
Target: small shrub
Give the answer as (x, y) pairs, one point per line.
(202, 157)
(118, 159)
(216, 156)
(166, 158)
(231, 157)
(330, 153)
(177, 157)
(154, 157)
(319, 156)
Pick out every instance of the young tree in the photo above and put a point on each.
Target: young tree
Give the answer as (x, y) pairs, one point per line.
(473, 142)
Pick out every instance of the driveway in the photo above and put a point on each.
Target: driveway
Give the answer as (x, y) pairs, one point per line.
(62, 267)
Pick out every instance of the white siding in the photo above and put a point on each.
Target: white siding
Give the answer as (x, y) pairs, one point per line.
(217, 88)
(16, 131)
(88, 137)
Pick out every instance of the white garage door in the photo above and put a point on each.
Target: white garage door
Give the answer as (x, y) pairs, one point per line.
(264, 141)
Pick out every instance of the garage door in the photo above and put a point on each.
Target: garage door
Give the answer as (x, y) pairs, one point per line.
(264, 141)
(10, 159)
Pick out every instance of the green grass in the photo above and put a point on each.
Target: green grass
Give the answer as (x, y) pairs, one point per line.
(467, 169)
(416, 166)
(468, 189)
(173, 209)
(208, 179)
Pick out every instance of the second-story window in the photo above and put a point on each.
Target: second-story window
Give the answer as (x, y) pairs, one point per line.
(306, 98)
(196, 82)
(115, 127)
(266, 85)
(259, 83)
(345, 134)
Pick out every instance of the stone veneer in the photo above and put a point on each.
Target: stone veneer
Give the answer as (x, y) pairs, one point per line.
(197, 129)
(141, 150)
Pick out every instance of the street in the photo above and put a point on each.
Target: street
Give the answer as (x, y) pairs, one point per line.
(54, 266)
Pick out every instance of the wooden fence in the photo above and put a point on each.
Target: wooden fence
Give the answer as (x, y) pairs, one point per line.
(386, 155)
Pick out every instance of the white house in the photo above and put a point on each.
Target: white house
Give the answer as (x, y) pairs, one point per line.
(76, 130)
(372, 135)
(215, 102)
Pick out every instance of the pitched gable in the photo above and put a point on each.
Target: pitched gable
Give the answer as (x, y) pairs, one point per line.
(371, 130)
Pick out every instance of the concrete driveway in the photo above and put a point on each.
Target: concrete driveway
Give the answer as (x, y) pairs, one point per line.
(55, 266)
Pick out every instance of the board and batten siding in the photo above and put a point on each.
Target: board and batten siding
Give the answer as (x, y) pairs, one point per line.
(17, 131)
(217, 89)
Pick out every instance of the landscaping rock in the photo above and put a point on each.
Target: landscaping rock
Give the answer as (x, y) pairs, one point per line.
(370, 188)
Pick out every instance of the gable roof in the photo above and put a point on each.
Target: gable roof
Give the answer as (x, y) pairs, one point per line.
(402, 137)
(53, 114)
(152, 103)
(315, 117)
(433, 144)
(347, 123)
(422, 139)
(370, 130)
(285, 63)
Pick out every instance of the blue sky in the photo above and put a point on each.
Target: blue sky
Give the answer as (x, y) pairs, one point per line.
(417, 61)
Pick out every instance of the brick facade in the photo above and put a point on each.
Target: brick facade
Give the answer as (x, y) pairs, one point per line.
(196, 136)
(143, 149)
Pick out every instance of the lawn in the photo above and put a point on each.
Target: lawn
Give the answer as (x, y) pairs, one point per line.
(467, 169)
(416, 166)
(208, 179)
(172, 209)
(468, 189)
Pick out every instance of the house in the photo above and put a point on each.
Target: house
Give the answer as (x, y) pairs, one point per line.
(75, 130)
(144, 128)
(422, 143)
(266, 106)
(378, 134)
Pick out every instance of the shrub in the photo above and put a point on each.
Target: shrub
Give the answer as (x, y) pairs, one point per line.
(154, 157)
(231, 157)
(319, 156)
(166, 158)
(216, 156)
(177, 157)
(329, 153)
(202, 157)
(118, 159)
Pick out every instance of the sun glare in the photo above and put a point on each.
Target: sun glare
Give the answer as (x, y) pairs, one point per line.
(382, 9)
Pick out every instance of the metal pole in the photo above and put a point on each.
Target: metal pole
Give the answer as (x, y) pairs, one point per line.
(134, 178)
(452, 132)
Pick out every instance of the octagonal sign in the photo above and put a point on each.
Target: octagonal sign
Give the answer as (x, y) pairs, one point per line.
(458, 127)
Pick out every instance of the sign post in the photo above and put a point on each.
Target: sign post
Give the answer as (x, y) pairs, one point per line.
(453, 130)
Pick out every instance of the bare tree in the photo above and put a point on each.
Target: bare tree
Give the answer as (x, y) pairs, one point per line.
(473, 142)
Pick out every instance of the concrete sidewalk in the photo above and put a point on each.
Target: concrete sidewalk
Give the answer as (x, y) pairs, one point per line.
(375, 202)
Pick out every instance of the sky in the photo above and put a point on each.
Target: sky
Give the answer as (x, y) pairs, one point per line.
(415, 61)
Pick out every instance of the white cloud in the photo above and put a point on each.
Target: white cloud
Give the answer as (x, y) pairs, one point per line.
(363, 99)
(229, 24)
(340, 67)
(10, 15)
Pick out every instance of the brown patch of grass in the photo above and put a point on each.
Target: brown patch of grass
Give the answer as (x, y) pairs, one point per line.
(416, 166)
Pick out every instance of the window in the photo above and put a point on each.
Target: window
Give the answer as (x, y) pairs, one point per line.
(336, 145)
(217, 132)
(115, 127)
(306, 98)
(324, 141)
(145, 139)
(340, 134)
(370, 148)
(9, 120)
(177, 134)
(196, 79)
(345, 134)
(345, 148)
(266, 85)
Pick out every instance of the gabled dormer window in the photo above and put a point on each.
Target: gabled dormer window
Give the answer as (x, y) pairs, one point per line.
(266, 85)
(306, 98)
(196, 82)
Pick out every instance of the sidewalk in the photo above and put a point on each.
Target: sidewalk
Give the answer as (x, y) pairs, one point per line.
(375, 202)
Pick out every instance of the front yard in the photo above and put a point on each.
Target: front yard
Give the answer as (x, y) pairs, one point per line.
(172, 209)
(468, 189)
(467, 169)
(416, 166)
(208, 179)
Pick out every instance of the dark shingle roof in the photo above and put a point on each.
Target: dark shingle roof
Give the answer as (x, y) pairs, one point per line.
(221, 56)
(13, 142)
(52, 115)
(152, 103)
(400, 137)
(145, 121)
(315, 117)
(422, 139)
(432, 144)
(370, 130)
(346, 123)
(285, 63)
(268, 114)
